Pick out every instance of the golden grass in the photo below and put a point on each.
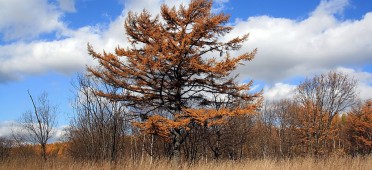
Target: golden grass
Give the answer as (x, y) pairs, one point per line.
(339, 163)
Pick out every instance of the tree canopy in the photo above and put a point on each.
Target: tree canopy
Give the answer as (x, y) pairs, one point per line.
(177, 71)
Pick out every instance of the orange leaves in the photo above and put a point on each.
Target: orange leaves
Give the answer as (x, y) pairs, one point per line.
(57, 149)
(168, 55)
(210, 117)
(163, 126)
(165, 70)
(155, 125)
(159, 125)
(359, 126)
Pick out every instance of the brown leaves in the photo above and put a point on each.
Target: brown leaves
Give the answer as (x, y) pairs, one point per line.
(165, 70)
(163, 126)
(156, 125)
(359, 126)
(210, 117)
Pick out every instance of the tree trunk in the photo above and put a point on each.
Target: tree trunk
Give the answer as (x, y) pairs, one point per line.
(177, 148)
(43, 151)
(114, 143)
(152, 149)
(177, 151)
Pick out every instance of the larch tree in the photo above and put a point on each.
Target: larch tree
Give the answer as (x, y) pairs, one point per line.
(169, 77)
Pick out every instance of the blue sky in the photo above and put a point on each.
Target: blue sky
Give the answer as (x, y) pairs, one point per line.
(43, 44)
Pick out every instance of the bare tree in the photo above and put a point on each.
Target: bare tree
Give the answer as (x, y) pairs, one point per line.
(39, 123)
(99, 124)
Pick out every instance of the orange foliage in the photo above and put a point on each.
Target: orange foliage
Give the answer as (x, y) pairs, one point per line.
(359, 128)
(162, 126)
(166, 78)
(57, 149)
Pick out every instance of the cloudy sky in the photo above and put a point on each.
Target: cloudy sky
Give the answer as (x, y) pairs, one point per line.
(43, 44)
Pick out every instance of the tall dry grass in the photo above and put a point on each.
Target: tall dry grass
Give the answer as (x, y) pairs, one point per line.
(339, 163)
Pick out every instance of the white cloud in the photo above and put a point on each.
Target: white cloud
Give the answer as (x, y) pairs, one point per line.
(21, 19)
(282, 90)
(64, 56)
(59, 133)
(152, 6)
(286, 47)
(365, 91)
(67, 5)
(364, 79)
(330, 7)
(279, 91)
(139, 5)
(319, 43)
(219, 5)
(8, 128)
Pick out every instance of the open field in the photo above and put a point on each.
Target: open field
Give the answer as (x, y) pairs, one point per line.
(339, 163)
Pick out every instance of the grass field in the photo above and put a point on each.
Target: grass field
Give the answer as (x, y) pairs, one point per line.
(338, 163)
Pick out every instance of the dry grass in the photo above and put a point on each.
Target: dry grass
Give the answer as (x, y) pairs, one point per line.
(339, 163)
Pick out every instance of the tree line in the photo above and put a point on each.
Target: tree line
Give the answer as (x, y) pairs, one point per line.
(323, 118)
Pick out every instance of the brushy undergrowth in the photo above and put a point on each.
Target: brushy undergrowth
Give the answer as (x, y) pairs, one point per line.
(339, 163)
